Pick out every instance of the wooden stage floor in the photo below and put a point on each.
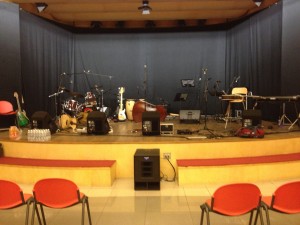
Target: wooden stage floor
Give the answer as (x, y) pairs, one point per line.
(129, 131)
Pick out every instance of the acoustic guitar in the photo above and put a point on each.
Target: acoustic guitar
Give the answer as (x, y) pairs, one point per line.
(121, 113)
(22, 119)
(67, 121)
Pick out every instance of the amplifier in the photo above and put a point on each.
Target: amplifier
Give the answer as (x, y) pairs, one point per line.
(189, 116)
(167, 128)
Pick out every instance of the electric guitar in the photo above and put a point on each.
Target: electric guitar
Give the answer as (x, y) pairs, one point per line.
(121, 113)
(22, 119)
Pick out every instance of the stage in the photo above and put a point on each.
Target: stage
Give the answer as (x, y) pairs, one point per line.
(207, 141)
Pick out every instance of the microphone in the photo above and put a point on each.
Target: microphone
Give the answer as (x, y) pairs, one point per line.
(237, 79)
(204, 70)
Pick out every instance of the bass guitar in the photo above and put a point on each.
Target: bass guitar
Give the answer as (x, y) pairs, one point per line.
(22, 119)
(121, 113)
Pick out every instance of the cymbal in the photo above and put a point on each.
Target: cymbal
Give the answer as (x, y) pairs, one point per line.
(76, 95)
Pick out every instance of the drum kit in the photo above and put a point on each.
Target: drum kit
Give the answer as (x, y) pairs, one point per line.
(76, 106)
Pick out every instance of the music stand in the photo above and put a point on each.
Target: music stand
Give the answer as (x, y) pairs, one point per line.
(180, 97)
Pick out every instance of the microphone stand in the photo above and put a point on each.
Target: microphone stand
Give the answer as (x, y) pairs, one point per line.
(206, 103)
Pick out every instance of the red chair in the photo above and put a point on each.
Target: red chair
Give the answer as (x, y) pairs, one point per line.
(234, 200)
(6, 108)
(58, 193)
(12, 196)
(285, 199)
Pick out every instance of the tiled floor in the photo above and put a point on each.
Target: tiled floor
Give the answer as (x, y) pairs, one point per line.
(121, 205)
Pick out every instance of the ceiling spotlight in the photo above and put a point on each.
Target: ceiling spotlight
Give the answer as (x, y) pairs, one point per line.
(257, 2)
(145, 8)
(41, 6)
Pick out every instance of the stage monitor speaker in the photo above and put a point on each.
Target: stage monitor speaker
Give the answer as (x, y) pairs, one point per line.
(251, 117)
(42, 120)
(189, 116)
(97, 123)
(147, 169)
(151, 123)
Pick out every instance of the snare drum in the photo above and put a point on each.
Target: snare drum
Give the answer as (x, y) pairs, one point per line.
(129, 106)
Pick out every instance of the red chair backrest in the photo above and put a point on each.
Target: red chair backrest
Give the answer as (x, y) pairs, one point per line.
(10, 195)
(56, 192)
(5, 107)
(236, 199)
(286, 198)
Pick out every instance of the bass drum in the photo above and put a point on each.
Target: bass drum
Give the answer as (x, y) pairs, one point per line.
(71, 105)
(129, 107)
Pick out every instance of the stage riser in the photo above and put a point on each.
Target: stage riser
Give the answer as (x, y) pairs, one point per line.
(238, 173)
(123, 152)
(101, 177)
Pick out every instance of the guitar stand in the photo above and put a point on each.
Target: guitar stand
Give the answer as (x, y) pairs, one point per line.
(296, 121)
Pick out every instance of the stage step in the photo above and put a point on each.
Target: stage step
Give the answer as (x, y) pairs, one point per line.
(82, 172)
(239, 169)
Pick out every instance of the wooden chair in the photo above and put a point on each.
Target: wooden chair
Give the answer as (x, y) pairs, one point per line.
(238, 95)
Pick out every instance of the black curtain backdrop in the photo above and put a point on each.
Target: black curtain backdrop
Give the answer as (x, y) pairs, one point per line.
(253, 52)
(150, 66)
(46, 52)
(10, 60)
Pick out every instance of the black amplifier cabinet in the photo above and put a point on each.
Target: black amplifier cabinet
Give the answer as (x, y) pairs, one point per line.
(251, 117)
(189, 116)
(97, 123)
(151, 123)
(147, 169)
(43, 120)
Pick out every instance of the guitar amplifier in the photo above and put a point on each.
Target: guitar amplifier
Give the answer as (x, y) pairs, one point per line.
(151, 123)
(189, 116)
(42, 120)
(97, 123)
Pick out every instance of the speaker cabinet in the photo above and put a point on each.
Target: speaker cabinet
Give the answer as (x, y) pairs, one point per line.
(97, 123)
(189, 116)
(42, 120)
(251, 117)
(147, 169)
(151, 123)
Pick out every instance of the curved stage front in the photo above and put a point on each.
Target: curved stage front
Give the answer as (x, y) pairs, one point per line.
(127, 138)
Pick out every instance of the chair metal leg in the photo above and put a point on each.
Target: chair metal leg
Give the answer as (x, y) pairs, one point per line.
(88, 211)
(251, 216)
(35, 210)
(43, 214)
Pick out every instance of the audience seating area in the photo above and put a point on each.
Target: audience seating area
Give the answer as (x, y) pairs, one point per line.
(233, 199)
